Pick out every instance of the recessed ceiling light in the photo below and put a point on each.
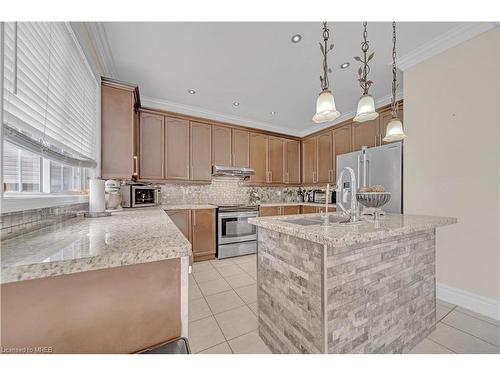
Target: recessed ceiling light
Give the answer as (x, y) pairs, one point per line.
(236, 104)
(272, 113)
(296, 38)
(345, 65)
(191, 91)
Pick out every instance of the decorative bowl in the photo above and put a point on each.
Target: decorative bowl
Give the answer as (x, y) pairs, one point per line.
(373, 199)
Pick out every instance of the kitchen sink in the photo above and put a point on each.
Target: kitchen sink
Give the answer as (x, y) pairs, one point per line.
(315, 220)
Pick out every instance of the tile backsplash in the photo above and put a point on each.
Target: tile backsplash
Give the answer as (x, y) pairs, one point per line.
(226, 190)
(16, 223)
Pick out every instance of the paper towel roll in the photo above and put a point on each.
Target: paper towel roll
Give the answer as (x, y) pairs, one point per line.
(96, 199)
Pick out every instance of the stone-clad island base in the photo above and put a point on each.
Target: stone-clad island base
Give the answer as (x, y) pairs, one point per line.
(375, 297)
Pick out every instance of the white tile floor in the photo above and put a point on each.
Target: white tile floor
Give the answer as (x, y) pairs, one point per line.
(223, 315)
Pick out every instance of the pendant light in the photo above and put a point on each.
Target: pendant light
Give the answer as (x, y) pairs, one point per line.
(394, 131)
(366, 105)
(325, 105)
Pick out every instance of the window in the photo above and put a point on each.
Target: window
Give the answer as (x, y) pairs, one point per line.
(51, 99)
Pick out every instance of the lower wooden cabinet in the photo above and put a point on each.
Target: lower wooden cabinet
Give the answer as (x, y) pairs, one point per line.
(279, 210)
(315, 209)
(198, 226)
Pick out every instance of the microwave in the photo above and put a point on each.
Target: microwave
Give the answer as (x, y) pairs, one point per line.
(139, 196)
(319, 196)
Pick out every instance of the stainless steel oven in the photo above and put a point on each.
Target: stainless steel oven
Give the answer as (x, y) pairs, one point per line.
(235, 236)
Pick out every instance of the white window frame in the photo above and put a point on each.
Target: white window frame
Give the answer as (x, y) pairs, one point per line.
(21, 201)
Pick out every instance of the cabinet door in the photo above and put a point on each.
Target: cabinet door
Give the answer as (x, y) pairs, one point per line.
(221, 145)
(201, 151)
(276, 162)
(309, 161)
(240, 148)
(151, 147)
(182, 219)
(309, 209)
(341, 142)
(384, 119)
(270, 211)
(203, 234)
(117, 133)
(292, 162)
(177, 150)
(364, 134)
(258, 157)
(291, 210)
(325, 155)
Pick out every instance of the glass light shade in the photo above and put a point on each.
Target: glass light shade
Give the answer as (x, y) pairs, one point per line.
(366, 109)
(394, 131)
(325, 108)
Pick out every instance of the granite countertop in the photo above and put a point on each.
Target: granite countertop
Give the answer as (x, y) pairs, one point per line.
(282, 204)
(342, 235)
(132, 236)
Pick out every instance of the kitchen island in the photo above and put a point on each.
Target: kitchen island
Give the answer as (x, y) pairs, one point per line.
(366, 287)
(114, 284)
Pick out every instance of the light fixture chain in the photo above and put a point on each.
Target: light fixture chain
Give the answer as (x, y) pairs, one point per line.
(394, 106)
(364, 70)
(325, 83)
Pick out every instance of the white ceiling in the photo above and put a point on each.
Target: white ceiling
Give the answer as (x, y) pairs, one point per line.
(257, 65)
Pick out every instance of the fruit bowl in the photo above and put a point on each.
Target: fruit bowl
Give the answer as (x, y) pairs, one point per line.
(373, 199)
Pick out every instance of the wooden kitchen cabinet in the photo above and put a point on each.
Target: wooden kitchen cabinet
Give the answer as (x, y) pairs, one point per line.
(151, 147)
(324, 165)
(182, 219)
(203, 234)
(177, 148)
(270, 211)
(342, 142)
(309, 161)
(201, 151)
(276, 160)
(365, 134)
(119, 157)
(222, 145)
(290, 210)
(259, 157)
(240, 143)
(292, 162)
(309, 210)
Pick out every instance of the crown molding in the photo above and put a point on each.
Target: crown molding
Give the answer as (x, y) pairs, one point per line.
(99, 40)
(155, 103)
(450, 39)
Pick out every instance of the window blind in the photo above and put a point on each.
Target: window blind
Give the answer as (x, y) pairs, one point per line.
(50, 92)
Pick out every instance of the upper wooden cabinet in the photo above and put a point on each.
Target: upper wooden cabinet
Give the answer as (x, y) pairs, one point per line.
(119, 158)
(342, 142)
(151, 147)
(222, 145)
(324, 167)
(177, 148)
(309, 161)
(201, 151)
(292, 162)
(240, 143)
(259, 157)
(276, 162)
(365, 134)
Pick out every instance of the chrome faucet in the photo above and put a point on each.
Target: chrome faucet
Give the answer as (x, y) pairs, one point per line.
(354, 211)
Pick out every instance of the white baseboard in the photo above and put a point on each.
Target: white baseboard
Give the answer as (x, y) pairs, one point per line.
(482, 305)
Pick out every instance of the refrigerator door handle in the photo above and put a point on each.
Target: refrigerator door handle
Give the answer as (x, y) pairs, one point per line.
(358, 175)
(368, 172)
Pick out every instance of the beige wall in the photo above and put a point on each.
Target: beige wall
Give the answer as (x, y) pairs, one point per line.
(452, 158)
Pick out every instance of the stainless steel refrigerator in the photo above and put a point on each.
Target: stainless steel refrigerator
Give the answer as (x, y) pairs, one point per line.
(381, 165)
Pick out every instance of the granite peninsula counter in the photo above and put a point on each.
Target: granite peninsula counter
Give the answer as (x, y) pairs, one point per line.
(116, 284)
(367, 287)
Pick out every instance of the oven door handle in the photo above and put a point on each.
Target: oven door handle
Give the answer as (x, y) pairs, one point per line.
(240, 215)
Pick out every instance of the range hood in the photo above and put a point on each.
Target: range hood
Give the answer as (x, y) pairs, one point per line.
(221, 170)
